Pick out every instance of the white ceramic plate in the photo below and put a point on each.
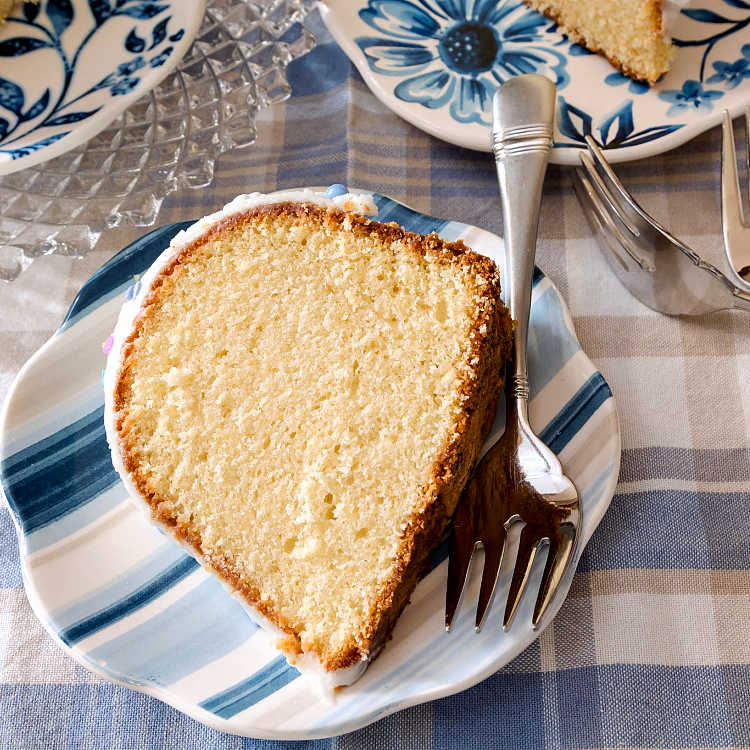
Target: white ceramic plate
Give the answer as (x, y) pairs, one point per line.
(437, 63)
(131, 605)
(69, 67)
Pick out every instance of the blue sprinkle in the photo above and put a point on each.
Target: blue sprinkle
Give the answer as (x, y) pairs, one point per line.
(335, 190)
(102, 378)
(134, 290)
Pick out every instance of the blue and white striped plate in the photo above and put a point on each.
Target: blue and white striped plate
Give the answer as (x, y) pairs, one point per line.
(131, 605)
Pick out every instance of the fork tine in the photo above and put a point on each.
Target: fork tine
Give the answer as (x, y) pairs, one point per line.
(613, 213)
(527, 549)
(627, 205)
(610, 188)
(493, 558)
(459, 559)
(560, 551)
(609, 231)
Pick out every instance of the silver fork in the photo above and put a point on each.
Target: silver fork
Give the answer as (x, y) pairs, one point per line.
(519, 479)
(655, 266)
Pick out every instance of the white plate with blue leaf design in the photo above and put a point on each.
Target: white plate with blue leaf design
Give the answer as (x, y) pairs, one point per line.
(436, 63)
(130, 604)
(69, 67)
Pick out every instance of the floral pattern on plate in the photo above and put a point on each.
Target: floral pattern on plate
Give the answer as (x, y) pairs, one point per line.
(456, 56)
(69, 67)
(437, 63)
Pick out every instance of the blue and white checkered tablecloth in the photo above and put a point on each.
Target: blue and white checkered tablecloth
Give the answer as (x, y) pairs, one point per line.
(652, 648)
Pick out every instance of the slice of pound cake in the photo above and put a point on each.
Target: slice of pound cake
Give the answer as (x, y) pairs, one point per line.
(298, 393)
(634, 35)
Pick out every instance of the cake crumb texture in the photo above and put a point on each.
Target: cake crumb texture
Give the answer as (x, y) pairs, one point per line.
(628, 33)
(301, 400)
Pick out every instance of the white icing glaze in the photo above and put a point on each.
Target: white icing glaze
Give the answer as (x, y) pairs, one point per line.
(356, 203)
(307, 663)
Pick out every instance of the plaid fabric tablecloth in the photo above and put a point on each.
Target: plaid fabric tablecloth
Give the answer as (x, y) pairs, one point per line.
(652, 647)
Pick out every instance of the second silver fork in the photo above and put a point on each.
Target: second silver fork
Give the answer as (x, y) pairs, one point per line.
(655, 266)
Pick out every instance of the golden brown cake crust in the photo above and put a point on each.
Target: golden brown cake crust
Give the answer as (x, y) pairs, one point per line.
(491, 340)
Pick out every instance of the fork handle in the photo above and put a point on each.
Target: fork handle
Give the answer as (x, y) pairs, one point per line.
(523, 112)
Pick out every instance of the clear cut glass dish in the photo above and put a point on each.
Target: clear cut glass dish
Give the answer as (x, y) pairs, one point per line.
(167, 140)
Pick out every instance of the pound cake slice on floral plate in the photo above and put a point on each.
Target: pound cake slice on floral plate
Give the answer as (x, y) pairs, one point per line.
(297, 394)
(634, 35)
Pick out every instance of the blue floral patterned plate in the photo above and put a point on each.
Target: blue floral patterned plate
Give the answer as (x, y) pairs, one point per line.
(436, 63)
(70, 67)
